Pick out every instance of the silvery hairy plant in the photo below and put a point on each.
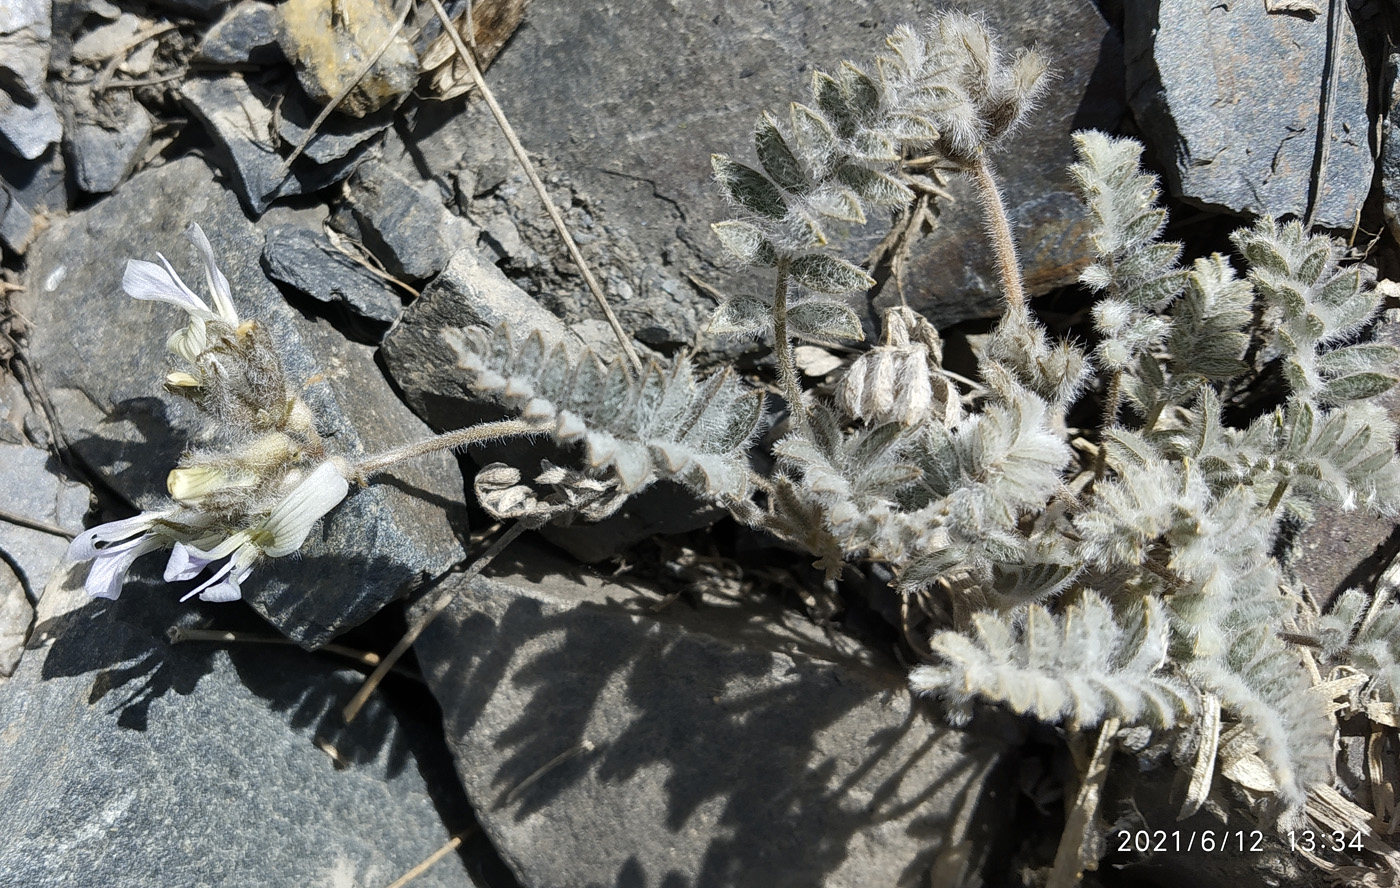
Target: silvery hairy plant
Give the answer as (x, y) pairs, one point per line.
(1136, 587)
(1133, 585)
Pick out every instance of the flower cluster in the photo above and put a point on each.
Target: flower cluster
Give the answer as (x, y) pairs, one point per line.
(258, 493)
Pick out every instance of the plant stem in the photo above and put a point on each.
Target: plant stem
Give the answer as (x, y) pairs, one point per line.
(509, 132)
(782, 348)
(362, 471)
(352, 709)
(1110, 416)
(1279, 490)
(999, 227)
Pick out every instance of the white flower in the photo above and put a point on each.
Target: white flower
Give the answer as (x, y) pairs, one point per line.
(282, 532)
(113, 547)
(159, 283)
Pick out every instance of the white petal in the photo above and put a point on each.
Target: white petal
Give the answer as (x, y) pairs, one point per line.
(109, 568)
(147, 280)
(218, 284)
(212, 581)
(188, 342)
(290, 521)
(86, 544)
(185, 563)
(230, 589)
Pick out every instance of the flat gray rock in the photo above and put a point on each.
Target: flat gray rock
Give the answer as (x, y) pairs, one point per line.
(604, 743)
(129, 762)
(28, 129)
(102, 356)
(1390, 148)
(304, 260)
(16, 616)
(30, 487)
(623, 108)
(1229, 100)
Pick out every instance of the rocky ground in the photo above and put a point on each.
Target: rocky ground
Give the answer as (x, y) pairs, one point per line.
(664, 699)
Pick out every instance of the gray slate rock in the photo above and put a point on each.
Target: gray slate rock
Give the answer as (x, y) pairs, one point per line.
(404, 223)
(29, 190)
(16, 222)
(31, 15)
(29, 122)
(1228, 98)
(625, 107)
(102, 358)
(602, 743)
(106, 147)
(30, 488)
(239, 120)
(128, 761)
(246, 34)
(1390, 148)
(306, 261)
(29, 555)
(16, 616)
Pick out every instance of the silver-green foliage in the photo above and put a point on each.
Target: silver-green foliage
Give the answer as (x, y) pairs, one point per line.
(664, 424)
(946, 89)
(1120, 587)
(1364, 633)
(1187, 507)
(1082, 666)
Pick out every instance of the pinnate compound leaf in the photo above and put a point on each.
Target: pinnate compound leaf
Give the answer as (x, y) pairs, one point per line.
(1082, 667)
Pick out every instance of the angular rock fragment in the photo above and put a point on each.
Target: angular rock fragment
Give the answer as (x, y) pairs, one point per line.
(28, 191)
(41, 508)
(106, 144)
(131, 761)
(16, 617)
(245, 35)
(1255, 112)
(31, 489)
(103, 357)
(602, 743)
(241, 122)
(403, 223)
(330, 46)
(1390, 148)
(306, 261)
(29, 123)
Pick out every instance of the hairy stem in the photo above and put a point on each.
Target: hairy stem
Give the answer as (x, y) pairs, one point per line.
(362, 471)
(1110, 416)
(999, 226)
(467, 59)
(1279, 490)
(782, 348)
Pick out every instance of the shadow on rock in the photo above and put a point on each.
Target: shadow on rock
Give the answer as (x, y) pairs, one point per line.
(603, 746)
